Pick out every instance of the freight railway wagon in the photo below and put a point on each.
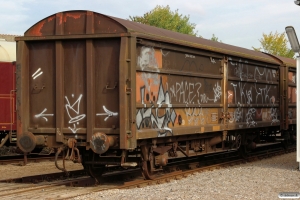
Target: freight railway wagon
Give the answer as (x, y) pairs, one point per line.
(7, 92)
(111, 92)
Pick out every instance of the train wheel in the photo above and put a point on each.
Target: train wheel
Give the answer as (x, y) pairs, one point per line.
(285, 144)
(293, 135)
(237, 142)
(147, 160)
(243, 151)
(95, 172)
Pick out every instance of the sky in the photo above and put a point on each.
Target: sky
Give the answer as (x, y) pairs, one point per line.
(238, 23)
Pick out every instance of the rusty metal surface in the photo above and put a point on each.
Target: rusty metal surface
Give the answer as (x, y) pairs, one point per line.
(291, 96)
(70, 88)
(253, 95)
(82, 72)
(64, 23)
(124, 99)
(107, 53)
(42, 79)
(74, 84)
(23, 97)
(26, 142)
(286, 61)
(58, 85)
(100, 142)
(287, 90)
(169, 103)
(184, 39)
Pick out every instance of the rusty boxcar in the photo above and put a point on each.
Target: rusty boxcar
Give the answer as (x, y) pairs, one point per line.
(7, 92)
(120, 93)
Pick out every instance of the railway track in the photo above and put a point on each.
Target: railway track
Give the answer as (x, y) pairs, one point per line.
(57, 186)
(183, 174)
(22, 160)
(13, 155)
(54, 186)
(46, 154)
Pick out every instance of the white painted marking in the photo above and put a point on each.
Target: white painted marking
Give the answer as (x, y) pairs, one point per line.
(39, 69)
(37, 73)
(108, 113)
(44, 115)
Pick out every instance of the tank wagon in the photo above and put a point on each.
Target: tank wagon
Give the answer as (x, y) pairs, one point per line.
(112, 92)
(7, 92)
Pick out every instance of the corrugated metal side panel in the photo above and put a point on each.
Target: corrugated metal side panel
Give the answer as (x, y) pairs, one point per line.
(107, 53)
(177, 93)
(74, 85)
(291, 95)
(287, 90)
(253, 95)
(291, 87)
(41, 84)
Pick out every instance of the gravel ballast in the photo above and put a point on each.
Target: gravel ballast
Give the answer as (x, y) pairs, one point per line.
(17, 171)
(263, 179)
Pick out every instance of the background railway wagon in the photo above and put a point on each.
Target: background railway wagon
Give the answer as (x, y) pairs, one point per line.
(108, 85)
(7, 91)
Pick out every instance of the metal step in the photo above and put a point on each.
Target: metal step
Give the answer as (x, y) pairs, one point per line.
(13, 137)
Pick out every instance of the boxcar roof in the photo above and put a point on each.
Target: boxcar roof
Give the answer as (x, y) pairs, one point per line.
(7, 51)
(286, 61)
(88, 22)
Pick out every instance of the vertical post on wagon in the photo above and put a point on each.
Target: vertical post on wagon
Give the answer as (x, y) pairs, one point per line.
(291, 33)
(298, 108)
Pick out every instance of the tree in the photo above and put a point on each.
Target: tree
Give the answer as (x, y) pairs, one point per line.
(214, 38)
(275, 44)
(163, 17)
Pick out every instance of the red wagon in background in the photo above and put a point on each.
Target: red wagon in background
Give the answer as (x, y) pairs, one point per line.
(7, 92)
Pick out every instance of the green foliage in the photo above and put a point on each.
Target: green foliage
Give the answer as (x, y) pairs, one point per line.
(275, 44)
(163, 17)
(214, 38)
